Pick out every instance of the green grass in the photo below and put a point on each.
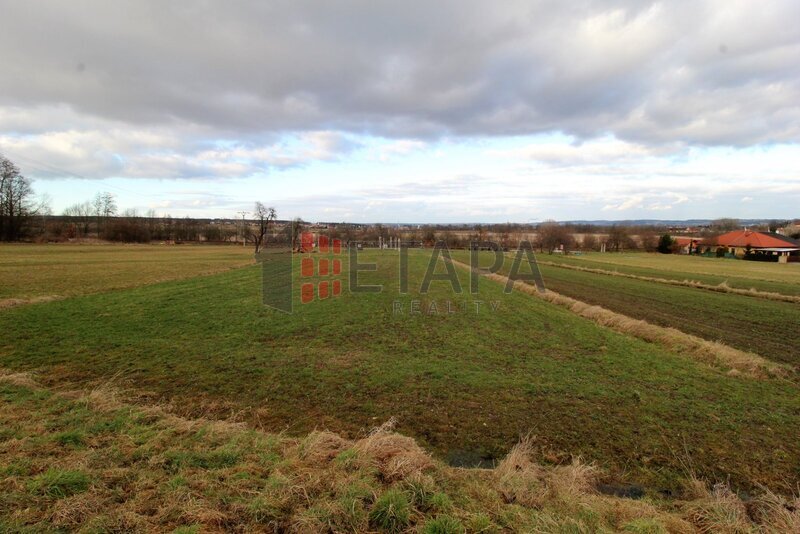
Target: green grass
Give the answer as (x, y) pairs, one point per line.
(59, 483)
(461, 383)
(31, 271)
(769, 277)
(391, 512)
(762, 326)
(443, 524)
(765, 327)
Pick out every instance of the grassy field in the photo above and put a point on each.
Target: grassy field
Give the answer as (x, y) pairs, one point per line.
(769, 277)
(762, 326)
(752, 324)
(31, 271)
(87, 462)
(465, 385)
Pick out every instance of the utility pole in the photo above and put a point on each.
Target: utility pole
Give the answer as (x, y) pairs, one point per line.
(244, 236)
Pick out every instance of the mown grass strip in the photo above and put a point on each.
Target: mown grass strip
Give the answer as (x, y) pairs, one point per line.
(767, 277)
(709, 352)
(723, 287)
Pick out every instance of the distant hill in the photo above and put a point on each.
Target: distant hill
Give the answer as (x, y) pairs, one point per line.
(662, 222)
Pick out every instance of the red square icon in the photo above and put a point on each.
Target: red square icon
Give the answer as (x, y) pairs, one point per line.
(337, 288)
(307, 267)
(323, 290)
(337, 246)
(307, 293)
(307, 241)
(323, 243)
(337, 266)
(323, 267)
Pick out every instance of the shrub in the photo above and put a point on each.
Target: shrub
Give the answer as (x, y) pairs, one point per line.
(391, 512)
(665, 244)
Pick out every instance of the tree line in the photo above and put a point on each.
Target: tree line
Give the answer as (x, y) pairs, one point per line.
(21, 217)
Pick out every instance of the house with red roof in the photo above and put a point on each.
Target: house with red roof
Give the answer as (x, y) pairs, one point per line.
(760, 245)
(687, 244)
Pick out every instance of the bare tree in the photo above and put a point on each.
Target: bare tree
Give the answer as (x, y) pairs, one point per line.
(617, 237)
(15, 201)
(295, 229)
(553, 235)
(82, 213)
(264, 216)
(649, 240)
(348, 233)
(104, 207)
(725, 225)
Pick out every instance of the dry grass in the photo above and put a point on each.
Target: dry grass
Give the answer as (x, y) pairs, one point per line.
(321, 447)
(396, 457)
(18, 379)
(39, 273)
(152, 471)
(719, 511)
(709, 352)
(775, 512)
(12, 302)
(723, 287)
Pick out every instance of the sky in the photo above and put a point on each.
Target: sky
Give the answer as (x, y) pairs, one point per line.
(414, 111)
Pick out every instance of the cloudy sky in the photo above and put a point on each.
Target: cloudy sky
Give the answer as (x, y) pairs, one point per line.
(420, 111)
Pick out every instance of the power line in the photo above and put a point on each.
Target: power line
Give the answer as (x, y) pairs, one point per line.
(46, 167)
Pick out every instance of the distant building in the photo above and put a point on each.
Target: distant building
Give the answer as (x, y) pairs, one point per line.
(687, 244)
(769, 246)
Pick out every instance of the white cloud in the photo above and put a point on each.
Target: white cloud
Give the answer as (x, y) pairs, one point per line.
(709, 72)
(632, 202)
(645, 107)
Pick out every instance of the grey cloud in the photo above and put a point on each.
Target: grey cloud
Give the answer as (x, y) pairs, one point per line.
(708, 72)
